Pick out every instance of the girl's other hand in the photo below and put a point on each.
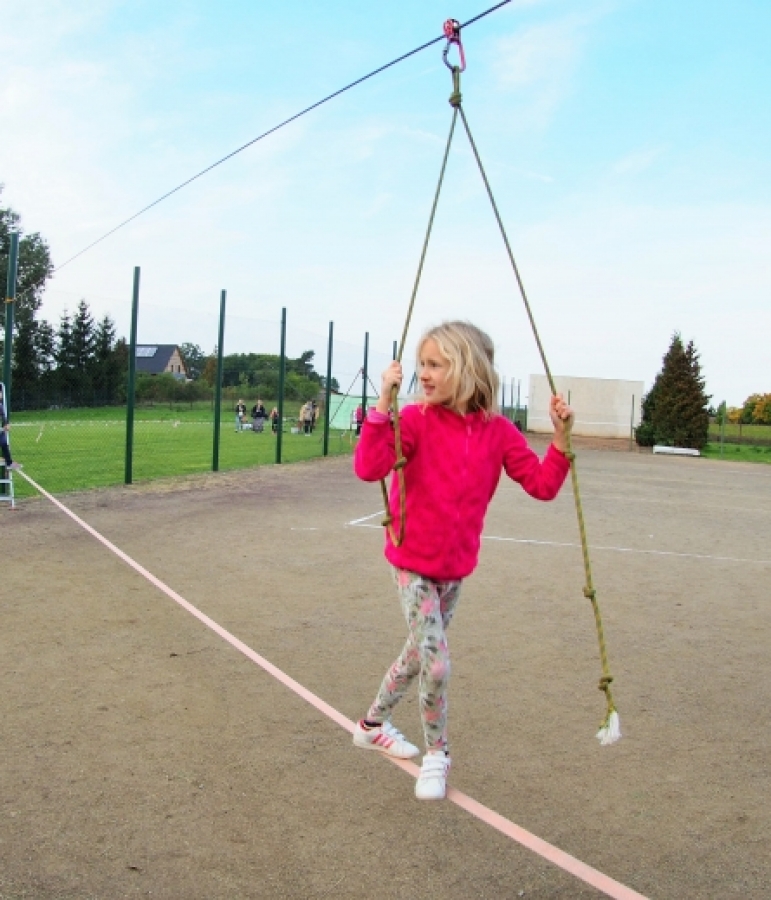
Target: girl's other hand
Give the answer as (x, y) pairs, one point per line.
(391, 377)
(562, 418)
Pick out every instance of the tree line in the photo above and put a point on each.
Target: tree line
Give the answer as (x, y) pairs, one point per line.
(676, 411)
(756, 410)
(82, 362)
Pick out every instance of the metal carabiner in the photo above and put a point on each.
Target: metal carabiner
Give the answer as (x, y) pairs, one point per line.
(452, 33)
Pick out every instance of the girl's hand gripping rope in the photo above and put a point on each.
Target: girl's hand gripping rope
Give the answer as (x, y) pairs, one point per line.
(562, 418)
(391, 378)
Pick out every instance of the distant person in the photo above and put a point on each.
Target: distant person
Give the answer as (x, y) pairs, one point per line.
(240, 415)
(5, 447)
(314, 414)
(274, 420)
(306, 417)
(358, 419)
(258, 417)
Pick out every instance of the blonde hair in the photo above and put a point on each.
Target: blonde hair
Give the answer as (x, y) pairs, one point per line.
(471, 379)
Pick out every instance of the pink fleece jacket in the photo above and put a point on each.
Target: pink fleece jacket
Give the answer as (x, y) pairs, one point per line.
(453, 467)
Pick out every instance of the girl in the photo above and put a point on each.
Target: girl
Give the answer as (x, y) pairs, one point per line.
(456, 444)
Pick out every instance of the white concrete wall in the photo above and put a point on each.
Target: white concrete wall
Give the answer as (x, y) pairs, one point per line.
(604, 407)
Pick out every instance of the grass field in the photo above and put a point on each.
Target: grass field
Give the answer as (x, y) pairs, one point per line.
(738, 453)
(75, 449)
(68, 450)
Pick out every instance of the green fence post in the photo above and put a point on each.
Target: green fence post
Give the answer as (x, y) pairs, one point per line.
(10, 301)
(364, 377)
(281, 377)
(723, 411)
(631, 427)
(215, 462)
(328, 390)
(132, 372)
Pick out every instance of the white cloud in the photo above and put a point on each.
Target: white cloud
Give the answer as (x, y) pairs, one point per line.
(637, 161)
(539, 62)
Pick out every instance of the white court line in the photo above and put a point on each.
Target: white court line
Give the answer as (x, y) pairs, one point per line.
(493, 537)
(364, 518)
(762, 562)
(604, 883)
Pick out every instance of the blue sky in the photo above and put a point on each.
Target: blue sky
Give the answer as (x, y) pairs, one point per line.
(627, 143)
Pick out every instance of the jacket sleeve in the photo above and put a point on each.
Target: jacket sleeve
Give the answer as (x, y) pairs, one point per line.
(375, 453)
(541, 479)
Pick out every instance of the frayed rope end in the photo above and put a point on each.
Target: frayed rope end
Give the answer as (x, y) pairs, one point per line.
(610, 731)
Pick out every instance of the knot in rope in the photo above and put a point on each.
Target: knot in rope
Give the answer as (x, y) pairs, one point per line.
(605, 682)
(387, 521)
(455, 96)
(569, 455)
(590, 593)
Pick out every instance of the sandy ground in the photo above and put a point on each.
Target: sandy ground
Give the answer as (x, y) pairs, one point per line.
(143, 756)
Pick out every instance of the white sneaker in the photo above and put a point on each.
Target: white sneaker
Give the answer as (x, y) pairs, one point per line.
(432, 781)
(387, 739)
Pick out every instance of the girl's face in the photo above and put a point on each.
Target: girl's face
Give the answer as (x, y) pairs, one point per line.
(434, 369)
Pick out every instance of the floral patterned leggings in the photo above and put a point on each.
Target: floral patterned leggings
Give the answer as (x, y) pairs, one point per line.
(428, 607)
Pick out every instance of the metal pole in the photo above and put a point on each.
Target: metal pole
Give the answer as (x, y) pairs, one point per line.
(328, 392)
(128, 475)
(10, 299)
(631, 427)
(281, 376)
(396, 349)
(364, 377)
(215, 462)
(724, 410)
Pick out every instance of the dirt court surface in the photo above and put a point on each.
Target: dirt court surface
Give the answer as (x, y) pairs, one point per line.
(142, 756)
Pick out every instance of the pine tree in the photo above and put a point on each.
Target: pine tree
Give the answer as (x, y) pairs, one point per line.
(64, 357)
(104, 341)
(83, 337)
(675, 410)
(25, 366)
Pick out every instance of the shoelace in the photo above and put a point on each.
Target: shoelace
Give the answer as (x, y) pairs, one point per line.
(393, 731)
(434, 766)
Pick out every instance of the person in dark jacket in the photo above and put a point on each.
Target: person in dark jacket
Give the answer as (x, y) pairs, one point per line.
(258, 416)
(5, 447)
